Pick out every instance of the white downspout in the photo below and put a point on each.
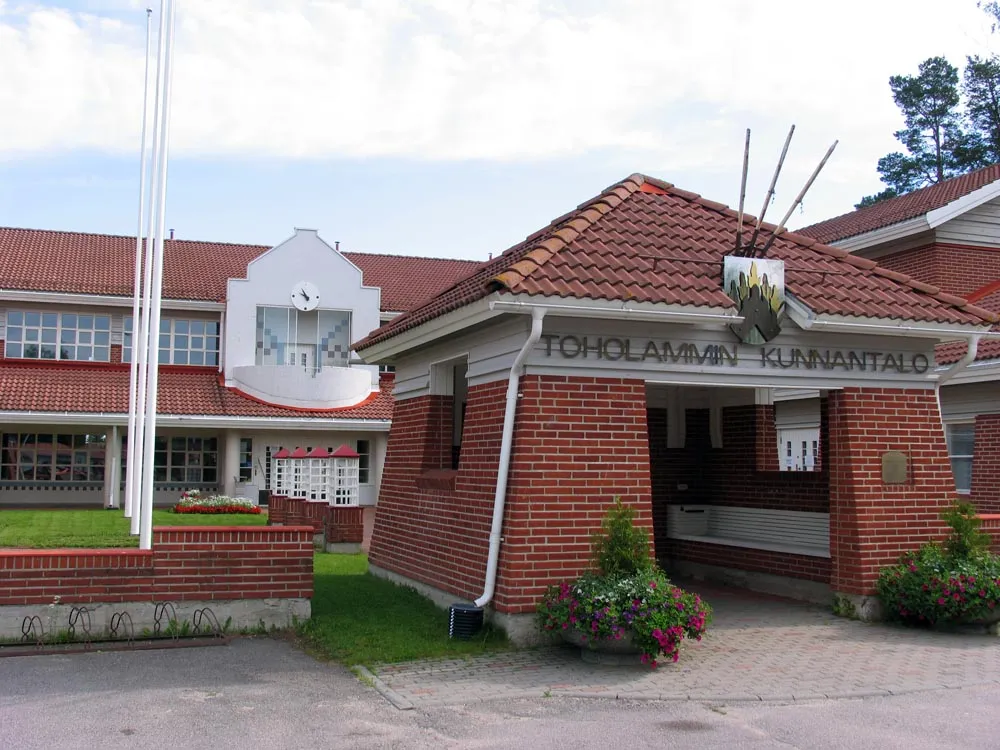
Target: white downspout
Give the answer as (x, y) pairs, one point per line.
(965, 361)
(513, 383)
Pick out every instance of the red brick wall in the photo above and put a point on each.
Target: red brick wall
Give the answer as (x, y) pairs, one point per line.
(436, 530)
(735, 475)
(757, 560)
(578, 443)
(871, 523)
(991, 525)
(186, 564)
(957, 269)
(986, 464)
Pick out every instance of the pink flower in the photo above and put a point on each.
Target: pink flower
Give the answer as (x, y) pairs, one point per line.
(652, 585)
(942, 601)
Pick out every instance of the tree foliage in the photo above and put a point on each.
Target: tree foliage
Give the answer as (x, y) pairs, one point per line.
(938, 143)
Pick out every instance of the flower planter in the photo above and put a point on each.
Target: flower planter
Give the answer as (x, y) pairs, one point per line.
(618, 652)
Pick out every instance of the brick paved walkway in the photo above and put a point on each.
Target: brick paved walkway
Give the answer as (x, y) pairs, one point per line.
(758, 648)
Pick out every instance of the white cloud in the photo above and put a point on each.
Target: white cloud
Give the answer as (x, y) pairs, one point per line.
(670, 83)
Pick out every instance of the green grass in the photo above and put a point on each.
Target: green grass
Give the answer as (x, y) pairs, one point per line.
(51, 529)
(360, 619)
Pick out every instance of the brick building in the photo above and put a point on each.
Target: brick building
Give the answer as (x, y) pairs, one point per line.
(598, 358)
(254, 349)
(946, 235)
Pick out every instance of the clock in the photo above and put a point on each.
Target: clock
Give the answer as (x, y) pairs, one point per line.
(305, 296)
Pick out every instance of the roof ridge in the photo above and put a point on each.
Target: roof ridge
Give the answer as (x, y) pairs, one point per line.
(570, 226)
(132, 237)
(408, 257)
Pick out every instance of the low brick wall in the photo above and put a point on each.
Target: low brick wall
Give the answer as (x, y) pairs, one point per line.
(252, 574)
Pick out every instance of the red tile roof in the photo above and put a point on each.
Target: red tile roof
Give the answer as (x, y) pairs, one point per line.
(952, 351)
(105, 390)
(895, 210)
(643, 240)
(42, 260)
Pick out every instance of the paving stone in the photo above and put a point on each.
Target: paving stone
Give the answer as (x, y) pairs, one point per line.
(758, 648)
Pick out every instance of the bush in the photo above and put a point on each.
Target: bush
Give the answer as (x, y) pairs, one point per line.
(958, 582)
(628, 595)
(619, 548)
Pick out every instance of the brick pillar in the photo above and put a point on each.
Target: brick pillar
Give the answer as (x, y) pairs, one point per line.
(277, 510)
(659, 473)
(986, 464)
(765, 438)
(314, 514)
(872, 523)
(345, 526)
(579, 443)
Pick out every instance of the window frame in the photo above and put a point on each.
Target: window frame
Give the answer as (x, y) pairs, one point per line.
(970, 457)
(172, 350)
(57, 322)
(166, 464)
(72, 445)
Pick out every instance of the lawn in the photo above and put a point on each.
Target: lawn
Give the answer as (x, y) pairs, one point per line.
(51, 529)
(360, 619)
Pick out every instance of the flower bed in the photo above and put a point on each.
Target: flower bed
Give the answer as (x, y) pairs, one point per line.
(192, 502)
(628, 599)
(958, 583)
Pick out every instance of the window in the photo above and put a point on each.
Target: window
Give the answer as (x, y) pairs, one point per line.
(181, 342)
(961, 440)
(66, 336)
(52, 458)
(183, 460)
(460, 389)
(798, 449)
(311, 340)
(364, 449)
(246, 460)
(269, 450)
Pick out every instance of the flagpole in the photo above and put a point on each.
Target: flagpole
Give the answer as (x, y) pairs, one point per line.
(152, 376)
(137, 284)
(140, 342)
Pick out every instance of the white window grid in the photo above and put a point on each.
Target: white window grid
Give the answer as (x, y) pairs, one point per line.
(364, 450)
(330, 480)
(318, 472)
(345, 489)
(182, 341)
(961, 437)
(61, 336)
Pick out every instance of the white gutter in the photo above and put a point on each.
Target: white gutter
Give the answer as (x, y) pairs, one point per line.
(500, 498)
(970, 356)
(942, 334)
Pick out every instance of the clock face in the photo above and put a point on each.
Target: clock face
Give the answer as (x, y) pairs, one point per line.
(305, 296)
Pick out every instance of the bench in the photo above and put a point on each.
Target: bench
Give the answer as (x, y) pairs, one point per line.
(793, 531)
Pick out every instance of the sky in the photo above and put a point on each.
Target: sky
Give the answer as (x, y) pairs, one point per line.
(451, 128)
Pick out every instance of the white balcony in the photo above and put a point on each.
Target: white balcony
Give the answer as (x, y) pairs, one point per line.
(306, 387)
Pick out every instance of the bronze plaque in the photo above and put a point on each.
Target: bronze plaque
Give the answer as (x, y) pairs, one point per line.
(894, 467)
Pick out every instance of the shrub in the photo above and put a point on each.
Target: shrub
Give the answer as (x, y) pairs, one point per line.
(628, 595)
(951, 583)
(619, 548)
(191, 502)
